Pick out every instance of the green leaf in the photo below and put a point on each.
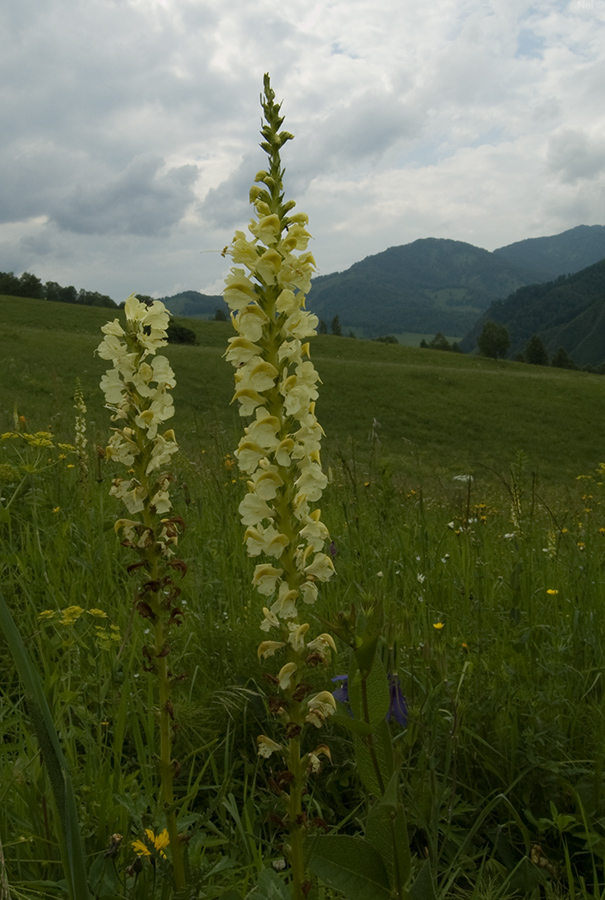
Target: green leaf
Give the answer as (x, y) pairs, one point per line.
(68, 831)
(386, 830)
(350, 865)
(354, 725)
(377, 693)
(366, 651)
(423, 888)
(269, 887)
(374, 759)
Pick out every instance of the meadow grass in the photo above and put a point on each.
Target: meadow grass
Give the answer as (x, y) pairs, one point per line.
(430, 414)
(502, 757)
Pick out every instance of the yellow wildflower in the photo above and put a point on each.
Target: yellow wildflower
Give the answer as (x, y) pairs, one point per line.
(157, 843)
(71, 614)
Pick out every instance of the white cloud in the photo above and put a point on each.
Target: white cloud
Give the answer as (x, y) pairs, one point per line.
(130, 128)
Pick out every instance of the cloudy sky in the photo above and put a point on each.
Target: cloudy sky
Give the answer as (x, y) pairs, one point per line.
(129, 128)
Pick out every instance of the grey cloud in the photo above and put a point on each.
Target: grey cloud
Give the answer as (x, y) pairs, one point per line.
(574, 156)
(36, 245)
(361, 135)
(364, 129)
(227, 205)
(88, 79)
(29, 183)
(140, 200)
(369, 126)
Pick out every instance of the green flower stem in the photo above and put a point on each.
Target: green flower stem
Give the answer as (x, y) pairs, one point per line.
(165, 762)
(296, 824)
(136, 389)
(370, 737)
(399, 888)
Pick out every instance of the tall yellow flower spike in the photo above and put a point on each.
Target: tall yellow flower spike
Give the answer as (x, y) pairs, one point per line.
(276, 385)
(137, 391)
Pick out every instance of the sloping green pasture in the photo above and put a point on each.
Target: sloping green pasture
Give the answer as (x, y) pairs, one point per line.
(493, 593)
(432, 415)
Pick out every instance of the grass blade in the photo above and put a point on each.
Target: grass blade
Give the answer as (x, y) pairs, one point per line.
(68, 831)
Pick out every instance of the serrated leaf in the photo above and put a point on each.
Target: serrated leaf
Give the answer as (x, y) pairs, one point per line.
(354, 725)
(386, 830)
(269, 887)
(375, 756)
(377, 693)
(423, 887)
(350, 865)
(366, 652)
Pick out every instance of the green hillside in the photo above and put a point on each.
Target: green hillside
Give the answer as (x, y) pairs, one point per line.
(429, 285)
(430, 415)
(192, 304)
(559, 254)
(565, 313)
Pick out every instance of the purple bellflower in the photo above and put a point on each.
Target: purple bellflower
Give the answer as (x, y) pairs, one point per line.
(342, 693)
(398, 708)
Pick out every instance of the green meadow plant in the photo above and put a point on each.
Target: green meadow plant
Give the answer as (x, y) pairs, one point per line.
(65, 810)
(492, 586)
(136, 389)
(80, 439)
(378, 865)
(276, 383)
(29, 456)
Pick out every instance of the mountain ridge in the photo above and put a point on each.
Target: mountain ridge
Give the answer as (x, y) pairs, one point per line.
(568, 312)
(431, 284)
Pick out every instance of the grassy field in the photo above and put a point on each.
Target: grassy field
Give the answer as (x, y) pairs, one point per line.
(429, 415)
(492, 591)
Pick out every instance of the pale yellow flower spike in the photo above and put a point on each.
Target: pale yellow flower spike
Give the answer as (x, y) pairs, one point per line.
(276, 385)
(137, 391)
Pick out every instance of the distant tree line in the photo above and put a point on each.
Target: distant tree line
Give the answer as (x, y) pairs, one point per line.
(440, 342)
(28, 285)
(494, 342)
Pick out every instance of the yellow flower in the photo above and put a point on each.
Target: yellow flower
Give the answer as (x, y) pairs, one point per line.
(157, 843)
(320, 707)
(71, 614)
(285, 675)
(266, 746)
(140, 848)
(551, 591)
(268, 648)
(161, 841)
(438, 625)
